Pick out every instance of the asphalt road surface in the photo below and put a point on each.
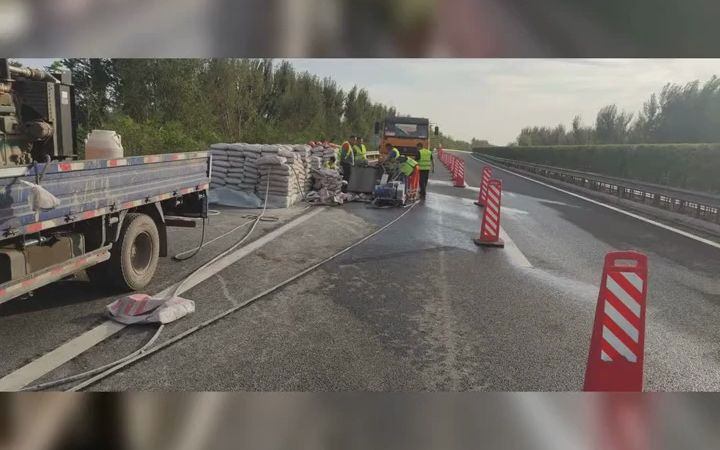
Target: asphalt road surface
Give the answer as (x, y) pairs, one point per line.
(417, 307)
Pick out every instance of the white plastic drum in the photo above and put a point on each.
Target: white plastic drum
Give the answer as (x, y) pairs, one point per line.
(103, 144)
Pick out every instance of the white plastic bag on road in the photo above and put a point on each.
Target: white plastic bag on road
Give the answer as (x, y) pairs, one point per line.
(142, 309)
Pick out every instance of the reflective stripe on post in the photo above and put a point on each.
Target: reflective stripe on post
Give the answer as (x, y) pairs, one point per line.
(487, 174)
(617, 348)
(459, 174)
(490, 228)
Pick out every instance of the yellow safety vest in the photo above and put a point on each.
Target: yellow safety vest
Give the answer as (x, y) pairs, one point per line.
(408, 167)
(394, 153)
(360, 152)
(425, 160)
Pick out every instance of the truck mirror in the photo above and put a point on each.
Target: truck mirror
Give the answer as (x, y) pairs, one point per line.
(377, 128)
(437, 131)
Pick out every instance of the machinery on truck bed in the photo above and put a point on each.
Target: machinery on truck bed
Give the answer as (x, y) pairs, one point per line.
(109, 216)
(36, 115)
(403, 133)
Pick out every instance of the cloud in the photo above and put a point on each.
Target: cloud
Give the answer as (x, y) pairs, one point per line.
(493, 98)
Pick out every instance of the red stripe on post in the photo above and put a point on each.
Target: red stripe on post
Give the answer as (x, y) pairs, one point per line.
(619, 375)
(490, 228)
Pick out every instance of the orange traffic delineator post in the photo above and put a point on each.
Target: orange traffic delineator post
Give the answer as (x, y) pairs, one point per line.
(617, 348)
(487, 174)
(459, 173)
(490, 228)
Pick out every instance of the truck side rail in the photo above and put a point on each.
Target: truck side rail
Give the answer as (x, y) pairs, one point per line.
(699, 205)
(89, 189)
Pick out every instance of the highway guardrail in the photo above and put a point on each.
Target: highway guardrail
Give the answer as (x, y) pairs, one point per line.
(700, 205)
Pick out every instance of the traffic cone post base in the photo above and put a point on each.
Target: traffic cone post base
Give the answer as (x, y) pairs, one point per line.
(490, 228)
(480, 243)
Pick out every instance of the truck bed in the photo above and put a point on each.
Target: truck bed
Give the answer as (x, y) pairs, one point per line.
(92, 188)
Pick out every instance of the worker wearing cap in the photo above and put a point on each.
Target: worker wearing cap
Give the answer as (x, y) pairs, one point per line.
(426, 163)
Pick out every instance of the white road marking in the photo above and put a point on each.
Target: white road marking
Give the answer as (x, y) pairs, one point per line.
(553, 202)
(71, 349)
(513, 252)
(513, 211)
(56, 358)
(511, 249)
(613, 208)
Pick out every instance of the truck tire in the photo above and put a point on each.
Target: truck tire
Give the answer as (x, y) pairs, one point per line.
(133, 258)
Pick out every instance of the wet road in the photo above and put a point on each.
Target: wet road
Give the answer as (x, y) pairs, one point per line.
(418, 307)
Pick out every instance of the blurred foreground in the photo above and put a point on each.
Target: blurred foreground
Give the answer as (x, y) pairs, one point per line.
(350, 28)
(349, 421)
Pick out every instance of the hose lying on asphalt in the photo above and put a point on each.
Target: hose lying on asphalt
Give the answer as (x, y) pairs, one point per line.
(144, 354)
(89, 373)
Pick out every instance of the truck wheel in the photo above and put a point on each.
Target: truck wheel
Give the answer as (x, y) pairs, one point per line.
(134, 257)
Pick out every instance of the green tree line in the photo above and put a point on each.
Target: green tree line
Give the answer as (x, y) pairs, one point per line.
(677, 114)
(165, 105)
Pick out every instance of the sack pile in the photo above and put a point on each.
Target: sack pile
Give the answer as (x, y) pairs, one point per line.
(289, 169)
(324, 152)
(236, 170)
(283, 169)
(315, 163)
(304, 153)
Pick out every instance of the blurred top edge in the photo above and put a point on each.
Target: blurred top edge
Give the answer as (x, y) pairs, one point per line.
(352, 28)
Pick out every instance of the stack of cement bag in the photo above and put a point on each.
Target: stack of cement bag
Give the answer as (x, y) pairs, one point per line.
(315, 163)
(251, 175)
(282, 170)
(327, 188)
(220, 165)
(324, 152)
(304, 152)
(236, 170)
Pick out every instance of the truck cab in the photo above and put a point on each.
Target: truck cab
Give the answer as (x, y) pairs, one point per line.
(403, 133)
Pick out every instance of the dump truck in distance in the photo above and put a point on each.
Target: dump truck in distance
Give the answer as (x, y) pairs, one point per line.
(403, 133)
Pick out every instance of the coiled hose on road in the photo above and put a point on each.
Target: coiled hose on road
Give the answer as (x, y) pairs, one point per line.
(175, 292)
(107, 370)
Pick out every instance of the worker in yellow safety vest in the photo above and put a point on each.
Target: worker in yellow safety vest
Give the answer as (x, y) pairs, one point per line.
(392, 152)
(426, 163)
(407, 167)
(360, 150)
(346, 156)
(331, 163)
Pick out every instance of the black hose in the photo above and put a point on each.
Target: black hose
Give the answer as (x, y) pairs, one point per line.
(197, 250)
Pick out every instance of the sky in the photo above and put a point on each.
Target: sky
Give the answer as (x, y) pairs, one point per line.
(492, 99)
